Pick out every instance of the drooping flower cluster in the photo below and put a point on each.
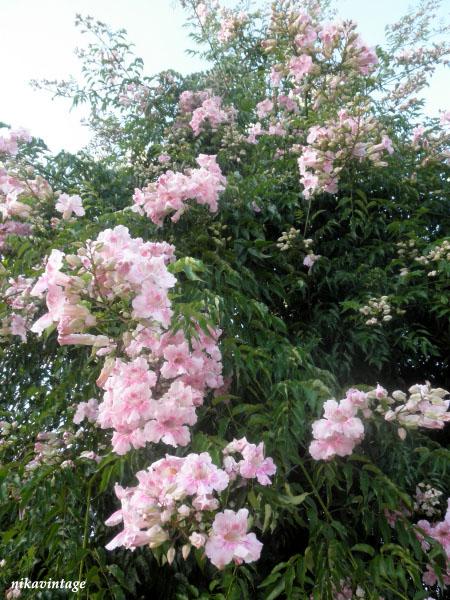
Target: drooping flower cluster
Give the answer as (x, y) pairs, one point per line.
(86, 410)
(177, 498)
(24, 201)
(129, 408)
(434, 259)
(335, 143)
(134, 95)
(425, 407)
(252, 465)
(171, 191)
(152, 397)
(427, 499)
(230, 24)
(379, 310)
(440, 532)
(438, 256)
(341, 429)
(113, 266)
(22, 307)
(203, 107)
(210, 112)
(49, 449)
(10, 139)
(287, 239)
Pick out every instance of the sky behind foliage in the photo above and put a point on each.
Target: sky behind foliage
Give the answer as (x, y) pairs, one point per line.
(37, 39)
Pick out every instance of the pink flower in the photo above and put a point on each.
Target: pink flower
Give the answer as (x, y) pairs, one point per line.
(229, 540)
(69, 204)
(210, 111)
(310, 259)
(84, 339)
(338, 432)
(299, 66)
(86, 410)
(310, 183)
(200, 476)
(417, 134)
(327, 448)
(164, 158)
(18, 326)
(264, 108)
(177, 357)
(170, 423)
(255, 465)
(275, 77)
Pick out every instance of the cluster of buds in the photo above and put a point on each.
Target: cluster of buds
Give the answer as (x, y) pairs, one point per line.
(345, 591)
(134, 94)
(425, 408)
(407, 250)
(7, 433)
(331, 146)
(427, 499)
(21, 307)
(379, 310)
(49, 449)
(288, 238)
(440, 252)
(230, 25)
(342, 427)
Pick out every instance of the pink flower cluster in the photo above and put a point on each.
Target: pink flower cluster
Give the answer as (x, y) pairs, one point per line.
(49, 448)
(256, 130)
(328, 40)
(229, 25)
(440, 532)
(152, 405)
(22, 200)
(210, 112)
(190, 100)
(10, 190)
(299, 66)
(117, 266)
(86, 410)
(177, 498)
(253, 464)
(152, 397)
(331, 146)
(10, 139)
(425, 407)
(172, 189)
(17, 295)
(340, 430)
(134, 95)
(204, 107)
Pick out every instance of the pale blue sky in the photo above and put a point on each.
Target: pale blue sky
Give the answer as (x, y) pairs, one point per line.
(37, 39)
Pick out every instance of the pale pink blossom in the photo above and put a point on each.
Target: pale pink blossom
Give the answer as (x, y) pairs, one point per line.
(299, 66)
(229, 540)
(68, 205)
